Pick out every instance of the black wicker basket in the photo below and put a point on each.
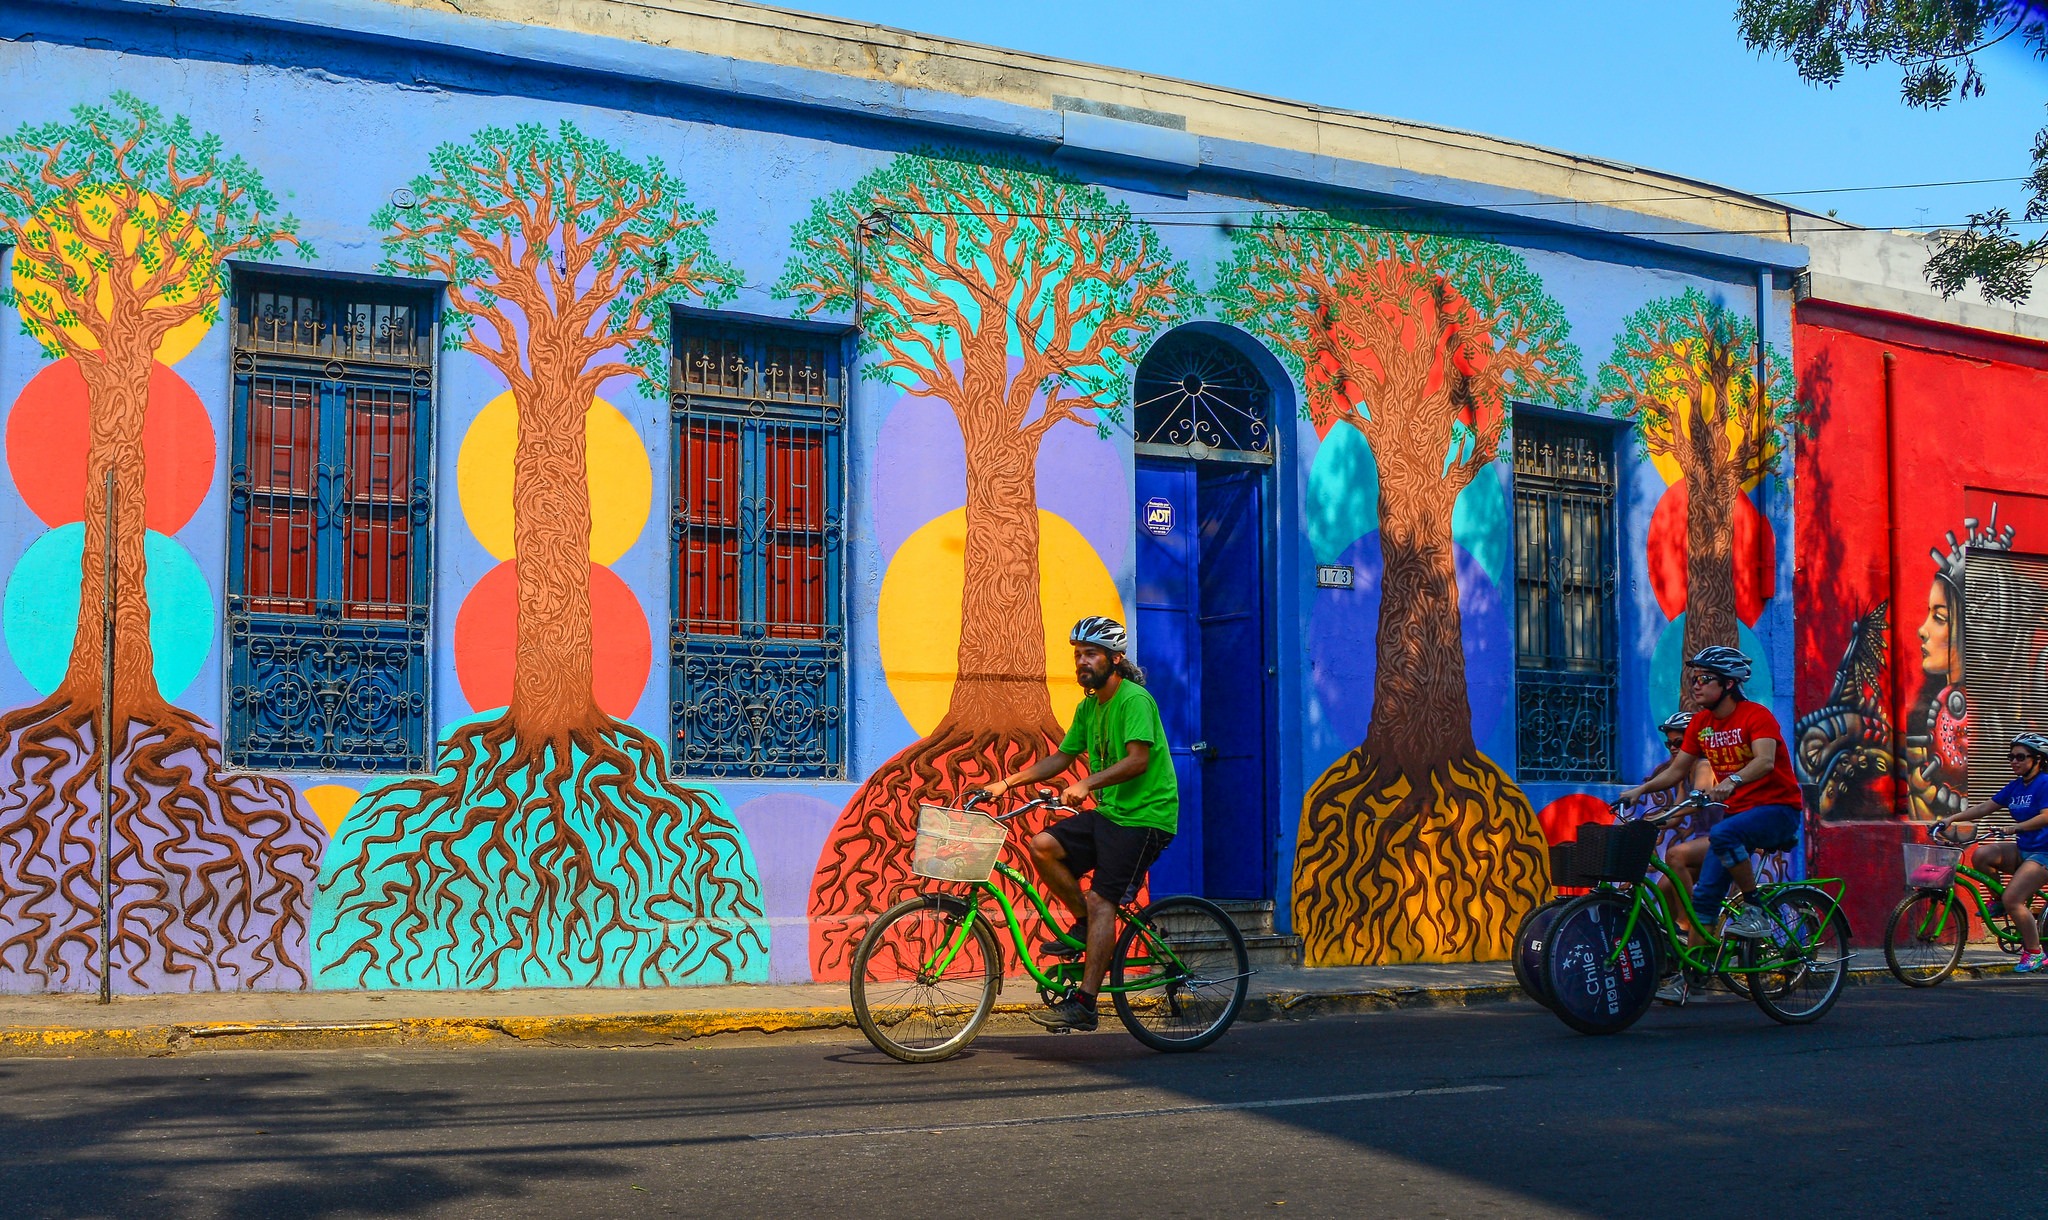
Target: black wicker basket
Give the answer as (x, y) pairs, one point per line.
(1564, 872)
(1614, 853)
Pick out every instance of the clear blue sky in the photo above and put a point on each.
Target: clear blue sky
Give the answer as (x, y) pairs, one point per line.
(1666, 84)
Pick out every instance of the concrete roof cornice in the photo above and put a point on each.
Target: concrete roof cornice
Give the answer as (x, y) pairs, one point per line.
(1157, 123)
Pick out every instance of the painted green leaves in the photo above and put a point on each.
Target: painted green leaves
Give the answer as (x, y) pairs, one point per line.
(122, 191)
(945, 261)
(528, 224)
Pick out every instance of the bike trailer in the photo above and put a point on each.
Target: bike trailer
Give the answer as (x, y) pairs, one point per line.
(955, 845)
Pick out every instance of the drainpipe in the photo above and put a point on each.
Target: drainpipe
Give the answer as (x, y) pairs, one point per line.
(1891, 560)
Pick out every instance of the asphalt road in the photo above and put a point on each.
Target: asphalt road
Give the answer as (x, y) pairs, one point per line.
(1709, 1110)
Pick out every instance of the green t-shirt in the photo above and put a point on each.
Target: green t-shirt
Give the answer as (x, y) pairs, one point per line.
(1102, 731)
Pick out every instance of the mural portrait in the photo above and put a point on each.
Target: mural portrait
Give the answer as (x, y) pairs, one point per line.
(1019, 299)
(551, 847)
(123, 220)
(1413, 846)
(1844, 746)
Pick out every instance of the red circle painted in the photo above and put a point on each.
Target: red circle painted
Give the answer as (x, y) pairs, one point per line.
(1756, 556)
(49, 428)
(486, 640)
(1562, 817)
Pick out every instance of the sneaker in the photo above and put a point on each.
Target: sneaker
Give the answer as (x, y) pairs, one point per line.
(1072, 1013)
(2030, 962)
(1673, 991)
(1750, 922)
(1059, 948)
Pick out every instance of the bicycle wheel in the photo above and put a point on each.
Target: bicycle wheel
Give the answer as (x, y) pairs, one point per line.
(1530, 939)
(1595, 989)
(1924, 939)
(1181, 974)
(1797, 973)
(922, 984)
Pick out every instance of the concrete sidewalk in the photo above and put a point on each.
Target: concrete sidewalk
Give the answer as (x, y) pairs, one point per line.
(71, 1025)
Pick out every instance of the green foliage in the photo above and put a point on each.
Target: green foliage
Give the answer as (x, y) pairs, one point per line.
(104, 159)
(1293, 276)
(934, 244)
(1676, 346)
(1934, 44)
(504, 215)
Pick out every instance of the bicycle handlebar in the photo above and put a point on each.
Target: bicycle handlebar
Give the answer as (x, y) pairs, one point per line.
(1047, 799)
(1696, 799)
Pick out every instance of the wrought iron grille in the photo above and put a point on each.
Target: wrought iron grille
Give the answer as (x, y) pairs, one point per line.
(757, 648)
(330, 509)
(1565, 680)
(1193, 391)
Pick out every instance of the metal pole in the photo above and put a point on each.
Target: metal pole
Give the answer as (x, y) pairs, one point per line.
(107, 753)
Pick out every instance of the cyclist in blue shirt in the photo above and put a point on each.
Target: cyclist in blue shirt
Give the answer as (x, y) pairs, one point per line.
(2026, 857)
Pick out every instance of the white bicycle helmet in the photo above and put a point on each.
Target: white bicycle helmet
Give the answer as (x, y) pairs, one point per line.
(1726, 662)
(1104, 633)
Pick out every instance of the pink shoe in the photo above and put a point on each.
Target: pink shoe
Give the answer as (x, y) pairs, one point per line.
(2031, 962)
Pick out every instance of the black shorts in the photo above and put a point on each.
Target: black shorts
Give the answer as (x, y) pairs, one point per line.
(1118, 855)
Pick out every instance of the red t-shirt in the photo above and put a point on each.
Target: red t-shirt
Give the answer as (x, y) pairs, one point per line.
(1728, 746)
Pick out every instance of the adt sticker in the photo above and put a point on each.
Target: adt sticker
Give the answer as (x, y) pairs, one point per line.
(1158, 517)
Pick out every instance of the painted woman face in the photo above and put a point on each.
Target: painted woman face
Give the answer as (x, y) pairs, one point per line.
(1935, 653)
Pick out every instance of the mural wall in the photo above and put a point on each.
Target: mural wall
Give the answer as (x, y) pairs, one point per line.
(1886, 723)
(996, 306)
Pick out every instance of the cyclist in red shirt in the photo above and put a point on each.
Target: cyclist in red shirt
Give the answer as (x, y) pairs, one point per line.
(1743, 743)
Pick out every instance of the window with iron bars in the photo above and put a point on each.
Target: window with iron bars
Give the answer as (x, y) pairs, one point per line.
(330, 511)
(1565, 672)
(757, 648)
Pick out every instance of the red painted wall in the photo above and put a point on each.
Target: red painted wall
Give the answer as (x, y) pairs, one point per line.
(1964, 404)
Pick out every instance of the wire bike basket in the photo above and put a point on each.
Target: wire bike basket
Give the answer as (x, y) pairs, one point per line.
(1613, 853)
(955, 845)
(1931, 866)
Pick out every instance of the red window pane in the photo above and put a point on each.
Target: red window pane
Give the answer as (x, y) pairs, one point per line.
(284, 435)
(711, 584)
(378, 575)
(279, 557)
(795, 483)
(380, 445)
(796, 589)
(711, 474)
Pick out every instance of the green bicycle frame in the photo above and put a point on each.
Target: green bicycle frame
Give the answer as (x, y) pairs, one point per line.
(1650, 898)
(1064, 973)
(1989, 895)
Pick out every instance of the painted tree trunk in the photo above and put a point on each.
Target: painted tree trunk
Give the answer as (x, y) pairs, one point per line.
(1001, 680)
(1710, 491)
(117, 392)
(1414, 847)
(552, 677)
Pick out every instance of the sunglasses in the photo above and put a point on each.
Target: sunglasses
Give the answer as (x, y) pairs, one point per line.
(2016, 756)
(1703, 679)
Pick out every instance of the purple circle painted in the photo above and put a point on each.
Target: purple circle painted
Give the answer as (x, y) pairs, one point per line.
(786, 832)
(1344, 627)
(920, 472)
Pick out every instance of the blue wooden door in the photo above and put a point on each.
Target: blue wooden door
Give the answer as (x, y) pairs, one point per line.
(1169, 646)
(1235, 684)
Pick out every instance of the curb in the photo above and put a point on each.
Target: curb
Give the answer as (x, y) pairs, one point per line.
(654, 1029)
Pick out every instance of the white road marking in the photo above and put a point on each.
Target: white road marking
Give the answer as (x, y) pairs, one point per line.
(1159, 1112)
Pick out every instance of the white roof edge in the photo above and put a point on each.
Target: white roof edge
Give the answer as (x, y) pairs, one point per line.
(1884, 269)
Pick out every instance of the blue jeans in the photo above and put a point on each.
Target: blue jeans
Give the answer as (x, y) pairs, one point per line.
(1730, 842)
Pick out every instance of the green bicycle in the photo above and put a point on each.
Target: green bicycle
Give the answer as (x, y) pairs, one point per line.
(1594, 960)
(1929, 929)
(927, 973)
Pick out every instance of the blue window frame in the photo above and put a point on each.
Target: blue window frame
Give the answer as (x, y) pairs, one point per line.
(330, 510)
(757, 648)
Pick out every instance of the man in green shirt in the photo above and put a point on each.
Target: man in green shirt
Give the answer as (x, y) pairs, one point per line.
(1137, 806)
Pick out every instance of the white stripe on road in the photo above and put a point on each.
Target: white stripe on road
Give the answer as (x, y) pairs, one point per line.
(1160, 1112)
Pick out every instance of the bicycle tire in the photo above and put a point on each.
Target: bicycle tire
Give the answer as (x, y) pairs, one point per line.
(1905, 937)
(1822, 968)
(1180, 1015)
(1589, 992)
(880, 962)
(1530, 940)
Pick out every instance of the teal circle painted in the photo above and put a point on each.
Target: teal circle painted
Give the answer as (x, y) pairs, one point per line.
(1344, 504)
(1669, 660)
(40, 612)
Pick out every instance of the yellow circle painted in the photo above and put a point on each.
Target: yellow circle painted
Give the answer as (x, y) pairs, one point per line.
(1676, 405)
(53, 232)
(919, 612)
(331, 803)
(616, 469)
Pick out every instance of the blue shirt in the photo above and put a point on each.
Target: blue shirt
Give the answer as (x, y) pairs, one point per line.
(2027, 799)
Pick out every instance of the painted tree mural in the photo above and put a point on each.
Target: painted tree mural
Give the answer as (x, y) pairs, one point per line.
(1684, 371)
(1019, 298)
(551, 847)
(1413, 846)
(122, 221)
